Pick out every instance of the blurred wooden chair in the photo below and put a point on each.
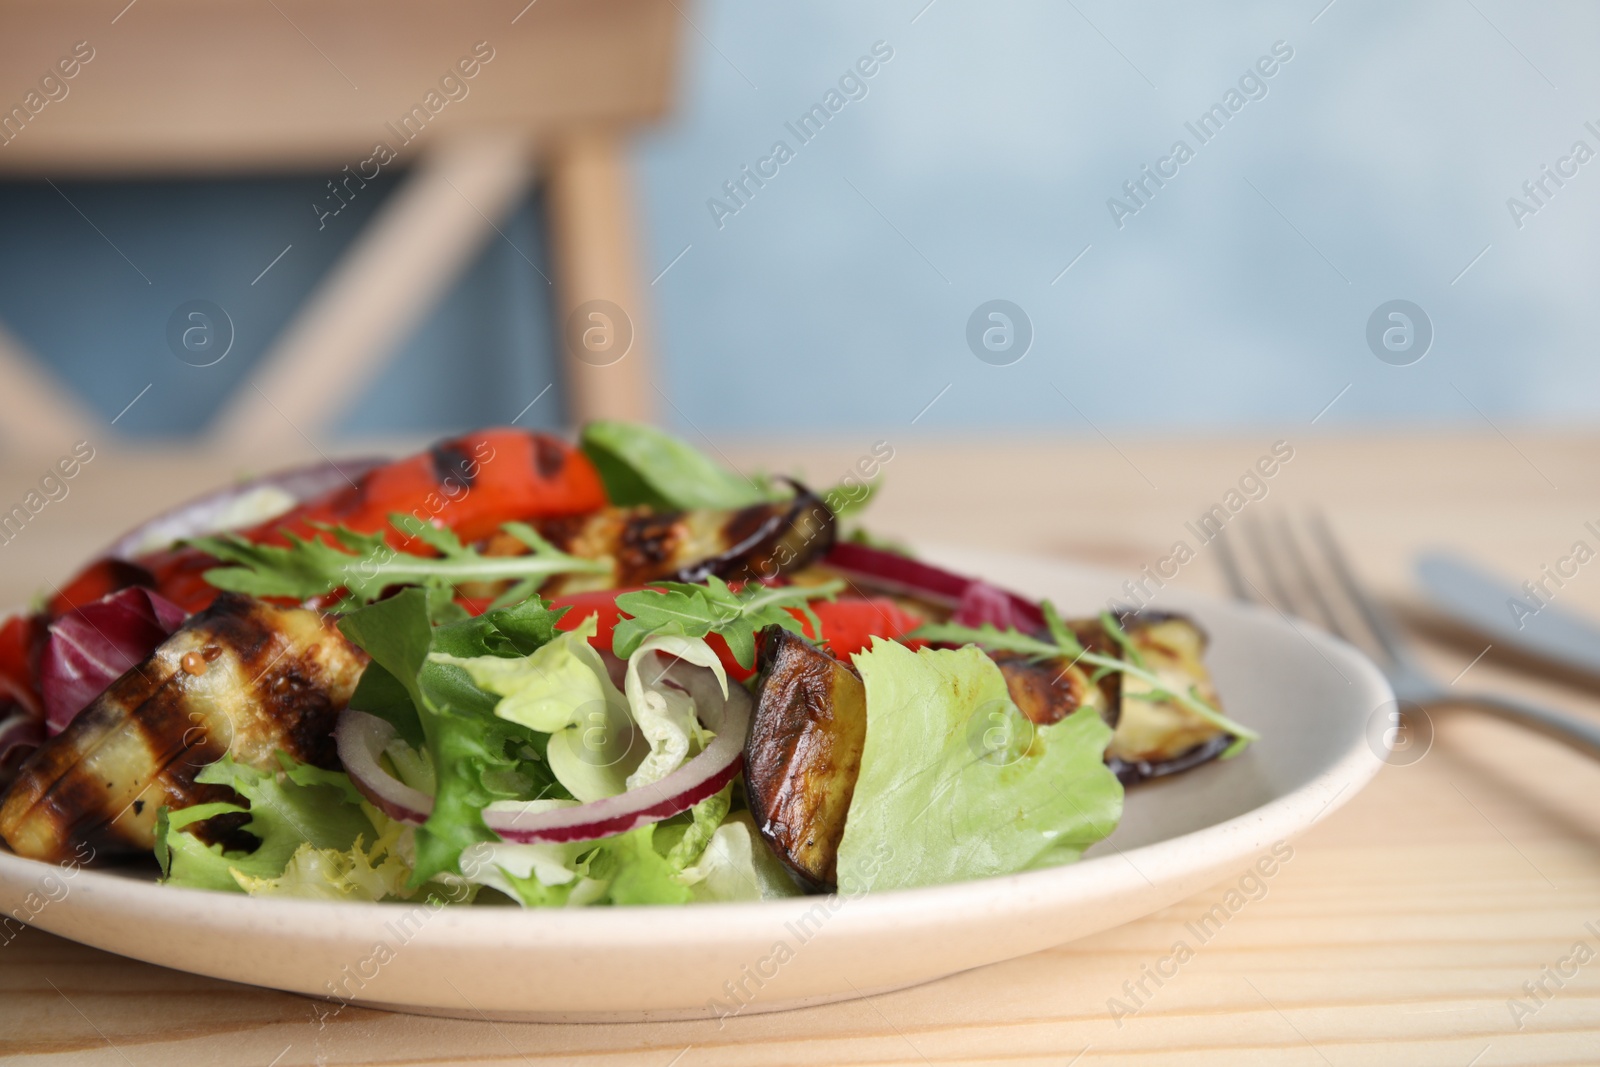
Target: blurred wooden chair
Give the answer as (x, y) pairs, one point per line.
(194, 87)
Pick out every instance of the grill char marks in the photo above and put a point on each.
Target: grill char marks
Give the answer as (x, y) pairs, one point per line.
(549, 455)
(646, 545)
(759, 542)
(1047, 692)
(562, 532)
(305, 710)
(233, 623)
(283, 678)
(452, 460)
(274, 680)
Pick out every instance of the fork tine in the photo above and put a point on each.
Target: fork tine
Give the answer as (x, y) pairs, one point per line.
(1376, 618)
(1230, 567)
(1307, 577)
(1280, 598)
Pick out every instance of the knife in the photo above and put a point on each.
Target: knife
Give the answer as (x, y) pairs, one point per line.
(1508, 614)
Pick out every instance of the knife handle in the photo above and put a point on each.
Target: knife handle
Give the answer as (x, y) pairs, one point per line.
(1569, 729)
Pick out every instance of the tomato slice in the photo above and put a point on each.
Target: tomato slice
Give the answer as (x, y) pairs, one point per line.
(601, 602)
(850, 623)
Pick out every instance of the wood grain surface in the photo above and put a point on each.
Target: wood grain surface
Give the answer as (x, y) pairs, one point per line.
(1402, 931)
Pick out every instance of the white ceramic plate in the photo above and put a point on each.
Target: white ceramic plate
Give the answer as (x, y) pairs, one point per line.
(1310, 695)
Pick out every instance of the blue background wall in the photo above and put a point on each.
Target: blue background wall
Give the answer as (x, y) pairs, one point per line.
(1377, 167)
(977, 165)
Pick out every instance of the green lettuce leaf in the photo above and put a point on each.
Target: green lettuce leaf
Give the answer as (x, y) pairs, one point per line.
(704, 818)
(544, 690)
(637, 873)
(732, 867)
(539, 875)
(643, 465)
(956, 784)
(564, 694)
(720, 855)
(705, 854)
(626, 869)
(299, 805)
(665, 714)
(477, 757)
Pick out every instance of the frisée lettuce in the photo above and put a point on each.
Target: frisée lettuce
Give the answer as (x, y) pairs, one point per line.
(297, 805)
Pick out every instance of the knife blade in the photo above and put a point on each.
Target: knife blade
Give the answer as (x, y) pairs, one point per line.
(1506, 613)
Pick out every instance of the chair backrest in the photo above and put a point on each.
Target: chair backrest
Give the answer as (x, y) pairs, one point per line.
(476, 97)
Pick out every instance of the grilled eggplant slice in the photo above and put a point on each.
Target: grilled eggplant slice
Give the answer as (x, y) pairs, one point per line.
(762, 541)
(242, 677)
(1151, 738)
(1048, 691)
(1155, 738)
(804, 753)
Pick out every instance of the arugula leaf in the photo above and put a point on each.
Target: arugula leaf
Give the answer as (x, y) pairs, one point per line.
(1064, 644)
(643, 465)
(301, 570)
(713, 608)
(477, 757)
(365, 565)
(987, 636)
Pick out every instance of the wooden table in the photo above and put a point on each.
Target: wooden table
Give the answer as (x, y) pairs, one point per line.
(1401, 932)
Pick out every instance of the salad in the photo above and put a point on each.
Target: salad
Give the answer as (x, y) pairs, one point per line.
(516, 670)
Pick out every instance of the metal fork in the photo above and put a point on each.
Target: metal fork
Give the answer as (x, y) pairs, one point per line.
(1282, 563)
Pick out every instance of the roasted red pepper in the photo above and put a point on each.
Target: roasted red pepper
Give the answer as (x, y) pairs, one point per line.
(470, 484)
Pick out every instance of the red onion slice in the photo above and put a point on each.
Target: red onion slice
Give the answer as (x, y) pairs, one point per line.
(973, 602)
(206, 514)
(93, 646)
(362, 737)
